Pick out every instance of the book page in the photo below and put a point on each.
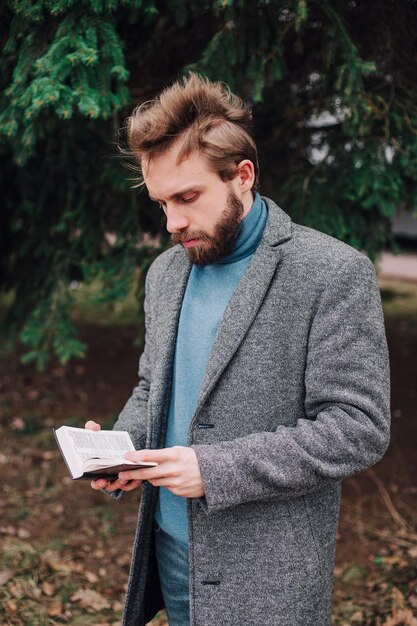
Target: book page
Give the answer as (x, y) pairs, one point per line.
(107, 444)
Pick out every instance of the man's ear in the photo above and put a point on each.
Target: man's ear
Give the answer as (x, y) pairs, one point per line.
(246, 173)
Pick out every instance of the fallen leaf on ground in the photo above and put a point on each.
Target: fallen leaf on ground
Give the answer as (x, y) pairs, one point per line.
(412, 552)
(15, 589)
(357, 616)
(117, 606)
(55, 607)
(90, 576)
(11, 606)
(48, 588)
(17, 423)
(55, 562)
(397, 599)
(90, 599)
(5, 576)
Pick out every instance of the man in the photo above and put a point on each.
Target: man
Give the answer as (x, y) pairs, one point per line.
(263, 382)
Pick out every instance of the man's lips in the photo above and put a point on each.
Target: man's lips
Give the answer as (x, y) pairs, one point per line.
(189, 243)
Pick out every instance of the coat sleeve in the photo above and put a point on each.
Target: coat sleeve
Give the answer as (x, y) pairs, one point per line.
(345, 428)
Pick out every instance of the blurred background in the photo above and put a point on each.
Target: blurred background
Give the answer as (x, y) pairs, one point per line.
(332, 87)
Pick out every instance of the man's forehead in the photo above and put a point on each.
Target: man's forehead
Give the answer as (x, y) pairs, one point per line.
(165, 177)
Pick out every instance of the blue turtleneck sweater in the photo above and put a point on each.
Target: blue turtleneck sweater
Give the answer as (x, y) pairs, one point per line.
(208, 292)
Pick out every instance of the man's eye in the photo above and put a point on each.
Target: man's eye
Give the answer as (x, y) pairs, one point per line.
(191, 198)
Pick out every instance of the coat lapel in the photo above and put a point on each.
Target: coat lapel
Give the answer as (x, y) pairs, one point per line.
(170, 298)
(169, 308)
(247, 298)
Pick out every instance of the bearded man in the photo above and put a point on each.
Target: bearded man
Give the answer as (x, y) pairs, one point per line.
(263, 383)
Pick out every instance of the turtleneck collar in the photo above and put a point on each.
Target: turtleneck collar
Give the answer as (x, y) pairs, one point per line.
(249, 232)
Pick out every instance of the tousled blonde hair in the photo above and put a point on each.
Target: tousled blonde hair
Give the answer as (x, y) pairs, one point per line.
(205, 116)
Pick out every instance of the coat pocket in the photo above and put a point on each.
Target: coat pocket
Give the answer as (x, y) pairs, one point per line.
(310, 552)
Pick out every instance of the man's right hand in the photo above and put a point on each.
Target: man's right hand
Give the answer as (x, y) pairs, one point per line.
(102, 483)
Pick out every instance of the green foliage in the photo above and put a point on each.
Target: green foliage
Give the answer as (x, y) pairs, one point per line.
(333, 95)
(76, 64)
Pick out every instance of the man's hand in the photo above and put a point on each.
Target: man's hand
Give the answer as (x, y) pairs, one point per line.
(177, 470)
(102, 483)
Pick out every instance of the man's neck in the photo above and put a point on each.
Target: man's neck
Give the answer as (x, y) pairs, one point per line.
(247, 201)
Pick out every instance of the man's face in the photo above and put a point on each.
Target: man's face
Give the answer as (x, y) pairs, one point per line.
(203, 212)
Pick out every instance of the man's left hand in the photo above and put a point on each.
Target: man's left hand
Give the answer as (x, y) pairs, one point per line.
(177, 470)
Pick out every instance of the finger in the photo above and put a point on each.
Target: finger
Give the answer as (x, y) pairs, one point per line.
(132, 484)
(117, 484)
(149, 473)
(99, 484)
(90, 425)
(132, 475)
(163, 482)
(156, 456)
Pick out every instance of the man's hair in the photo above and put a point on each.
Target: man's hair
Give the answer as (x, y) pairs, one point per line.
(205, 116)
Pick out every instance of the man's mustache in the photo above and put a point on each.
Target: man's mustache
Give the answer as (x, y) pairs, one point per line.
(187, 235)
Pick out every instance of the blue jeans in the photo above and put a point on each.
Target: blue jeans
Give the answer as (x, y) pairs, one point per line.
(172, 559)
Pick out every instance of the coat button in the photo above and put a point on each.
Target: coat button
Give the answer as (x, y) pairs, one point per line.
(210, 582)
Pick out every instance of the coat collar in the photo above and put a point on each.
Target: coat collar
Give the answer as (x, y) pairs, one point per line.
(278, 227)
(239, 313)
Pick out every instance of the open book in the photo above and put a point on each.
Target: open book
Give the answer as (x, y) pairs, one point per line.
(92, 455)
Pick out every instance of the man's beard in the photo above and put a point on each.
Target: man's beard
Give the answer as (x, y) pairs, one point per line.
(219, 245)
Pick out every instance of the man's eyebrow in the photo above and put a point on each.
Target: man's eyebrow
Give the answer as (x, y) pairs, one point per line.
(178, 194)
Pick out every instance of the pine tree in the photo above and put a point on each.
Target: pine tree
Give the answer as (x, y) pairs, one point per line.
(331, 84)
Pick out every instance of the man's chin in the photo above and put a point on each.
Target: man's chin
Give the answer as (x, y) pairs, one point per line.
(198, 257)
(203, 254)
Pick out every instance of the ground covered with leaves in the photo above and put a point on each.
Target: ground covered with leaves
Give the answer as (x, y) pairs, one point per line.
(65, 549)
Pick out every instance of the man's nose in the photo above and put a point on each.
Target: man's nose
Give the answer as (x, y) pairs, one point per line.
(176, 220)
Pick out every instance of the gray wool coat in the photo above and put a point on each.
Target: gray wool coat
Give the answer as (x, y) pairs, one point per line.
(296, 393)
